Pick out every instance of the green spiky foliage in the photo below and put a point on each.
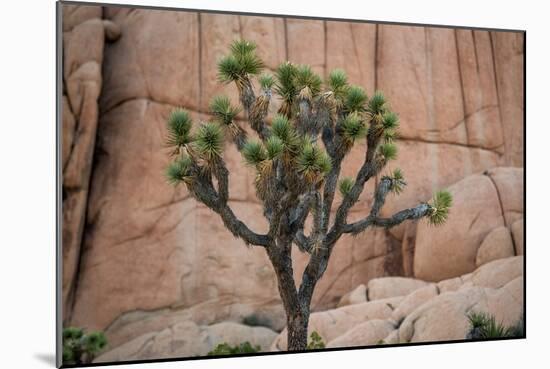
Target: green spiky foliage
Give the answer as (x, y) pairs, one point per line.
(254, 152)
(484, 326)
(307, 82)
(223, 349)
(441, 203)
(266, 81)
(390, 121)
(345, 185)
(353, 128)
(80, 347)
(179, 170)
(285, 87)
(338, 83)
(313, 162)
(241, 63)
(398, 181)
(179, 128)
(209, 141)
(223, 111)
(388, 151)
(274, 147)
(297, 156)
(284, 130)
(355, 99)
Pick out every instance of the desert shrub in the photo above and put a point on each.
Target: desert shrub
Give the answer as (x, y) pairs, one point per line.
(485, 326)
(80, 347)
(315, 341)
(226, 349)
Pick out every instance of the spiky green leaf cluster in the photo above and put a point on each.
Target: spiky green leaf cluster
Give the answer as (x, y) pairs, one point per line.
(355, 99)
(179, 127)
(274, 147)
(313, 162)
(345, 185)
(377, 103)
(485, 326)
(441, 203)
(283, 129)
(221, 108)
(254, 152)
(178, 170)
(285, 74)
(72, 333)
(307, 78)
(209, 141)
(266, 81)
(338, 83)
(388, 150)
(398, 181)
(241, 62)
(353, 127)
(390, 121)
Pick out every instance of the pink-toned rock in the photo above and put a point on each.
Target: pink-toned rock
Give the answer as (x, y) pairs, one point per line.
(449, 285)
(306, 43)
(413, 301)
(357, 296)
(445, 317)
(353, 48)
(186, 339)
(508, 54)
(450, 250)
(509, 184)
(497, 245)
(497, 273)
(517, 232)
(331, 324)
(383, 288)
(365, 334)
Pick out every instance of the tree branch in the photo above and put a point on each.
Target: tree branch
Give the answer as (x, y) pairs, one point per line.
(417, 212)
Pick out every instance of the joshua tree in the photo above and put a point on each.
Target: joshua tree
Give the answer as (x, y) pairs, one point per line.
(297, 156)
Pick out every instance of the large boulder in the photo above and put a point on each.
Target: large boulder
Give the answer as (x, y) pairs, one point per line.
(386, 287)
(333, 323)
(186, 339)
(497, 245)
(481, 203)
(364, 334)
(357, 296)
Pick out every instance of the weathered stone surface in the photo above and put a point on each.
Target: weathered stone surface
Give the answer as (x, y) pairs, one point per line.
(517, 233)
(365, 334)
(509, 186)
(413, 301)
(450, 251)
(508, 55)
(445, 317)
(497, 273)
(82, 82)
(333, 323)
(357, 296)
(497, 245)
(383, 288)
(187, 339)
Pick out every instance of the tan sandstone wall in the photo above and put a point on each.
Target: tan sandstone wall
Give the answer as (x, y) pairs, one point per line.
(147, 247)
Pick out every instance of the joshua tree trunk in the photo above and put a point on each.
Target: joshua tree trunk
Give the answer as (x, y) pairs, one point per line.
(296, 176)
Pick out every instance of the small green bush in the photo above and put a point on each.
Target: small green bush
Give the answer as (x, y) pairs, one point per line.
(485, 326)
(315, 341)
(80, 347)
(226, 349)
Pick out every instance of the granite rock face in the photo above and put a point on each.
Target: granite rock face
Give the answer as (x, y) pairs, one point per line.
(133, 244)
